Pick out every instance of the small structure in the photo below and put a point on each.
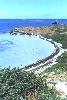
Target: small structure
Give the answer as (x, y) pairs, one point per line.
(55, 23)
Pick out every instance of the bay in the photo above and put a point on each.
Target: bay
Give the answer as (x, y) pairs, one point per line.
(19, 51)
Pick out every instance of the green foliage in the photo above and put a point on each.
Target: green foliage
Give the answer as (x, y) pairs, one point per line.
(60, 67)
(15, 84)
(62, 58)
(60, 38)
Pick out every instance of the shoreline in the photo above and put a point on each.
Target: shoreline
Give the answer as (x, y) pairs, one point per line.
(43, 62)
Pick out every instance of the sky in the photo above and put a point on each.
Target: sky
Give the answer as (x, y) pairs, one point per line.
(33, 9)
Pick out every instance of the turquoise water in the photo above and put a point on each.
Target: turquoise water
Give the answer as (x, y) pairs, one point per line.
(19, 51)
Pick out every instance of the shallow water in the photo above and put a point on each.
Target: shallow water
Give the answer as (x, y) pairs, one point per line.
(19, 51)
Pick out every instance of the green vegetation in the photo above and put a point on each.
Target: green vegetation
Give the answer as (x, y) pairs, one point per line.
(58, 34)
(59, 29)
(58, 72)
(16, 84)
(60, 67)
(60, 38)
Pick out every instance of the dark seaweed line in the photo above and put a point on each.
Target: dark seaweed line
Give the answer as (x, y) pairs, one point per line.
(44, 62)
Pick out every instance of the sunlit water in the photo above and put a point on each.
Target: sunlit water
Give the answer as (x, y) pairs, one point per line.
(19, 51)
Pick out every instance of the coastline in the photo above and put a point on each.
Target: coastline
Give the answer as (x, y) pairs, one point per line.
(52, 70)
(40, 63)
(40, 67)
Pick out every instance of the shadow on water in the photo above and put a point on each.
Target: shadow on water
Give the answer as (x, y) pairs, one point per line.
(5, 44)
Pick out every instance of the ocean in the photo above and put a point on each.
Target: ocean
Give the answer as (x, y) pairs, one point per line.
(8, 24)
(19, 51)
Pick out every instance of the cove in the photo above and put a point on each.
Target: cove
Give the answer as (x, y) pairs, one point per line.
(23, 50)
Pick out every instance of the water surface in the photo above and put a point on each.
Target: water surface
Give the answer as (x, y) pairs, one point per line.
(7, 25)
(19, 51)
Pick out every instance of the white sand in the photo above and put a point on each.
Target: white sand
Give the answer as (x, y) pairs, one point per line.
(61, 87)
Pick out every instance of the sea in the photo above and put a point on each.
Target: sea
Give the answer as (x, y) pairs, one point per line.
(20, 51)
(8, 24)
